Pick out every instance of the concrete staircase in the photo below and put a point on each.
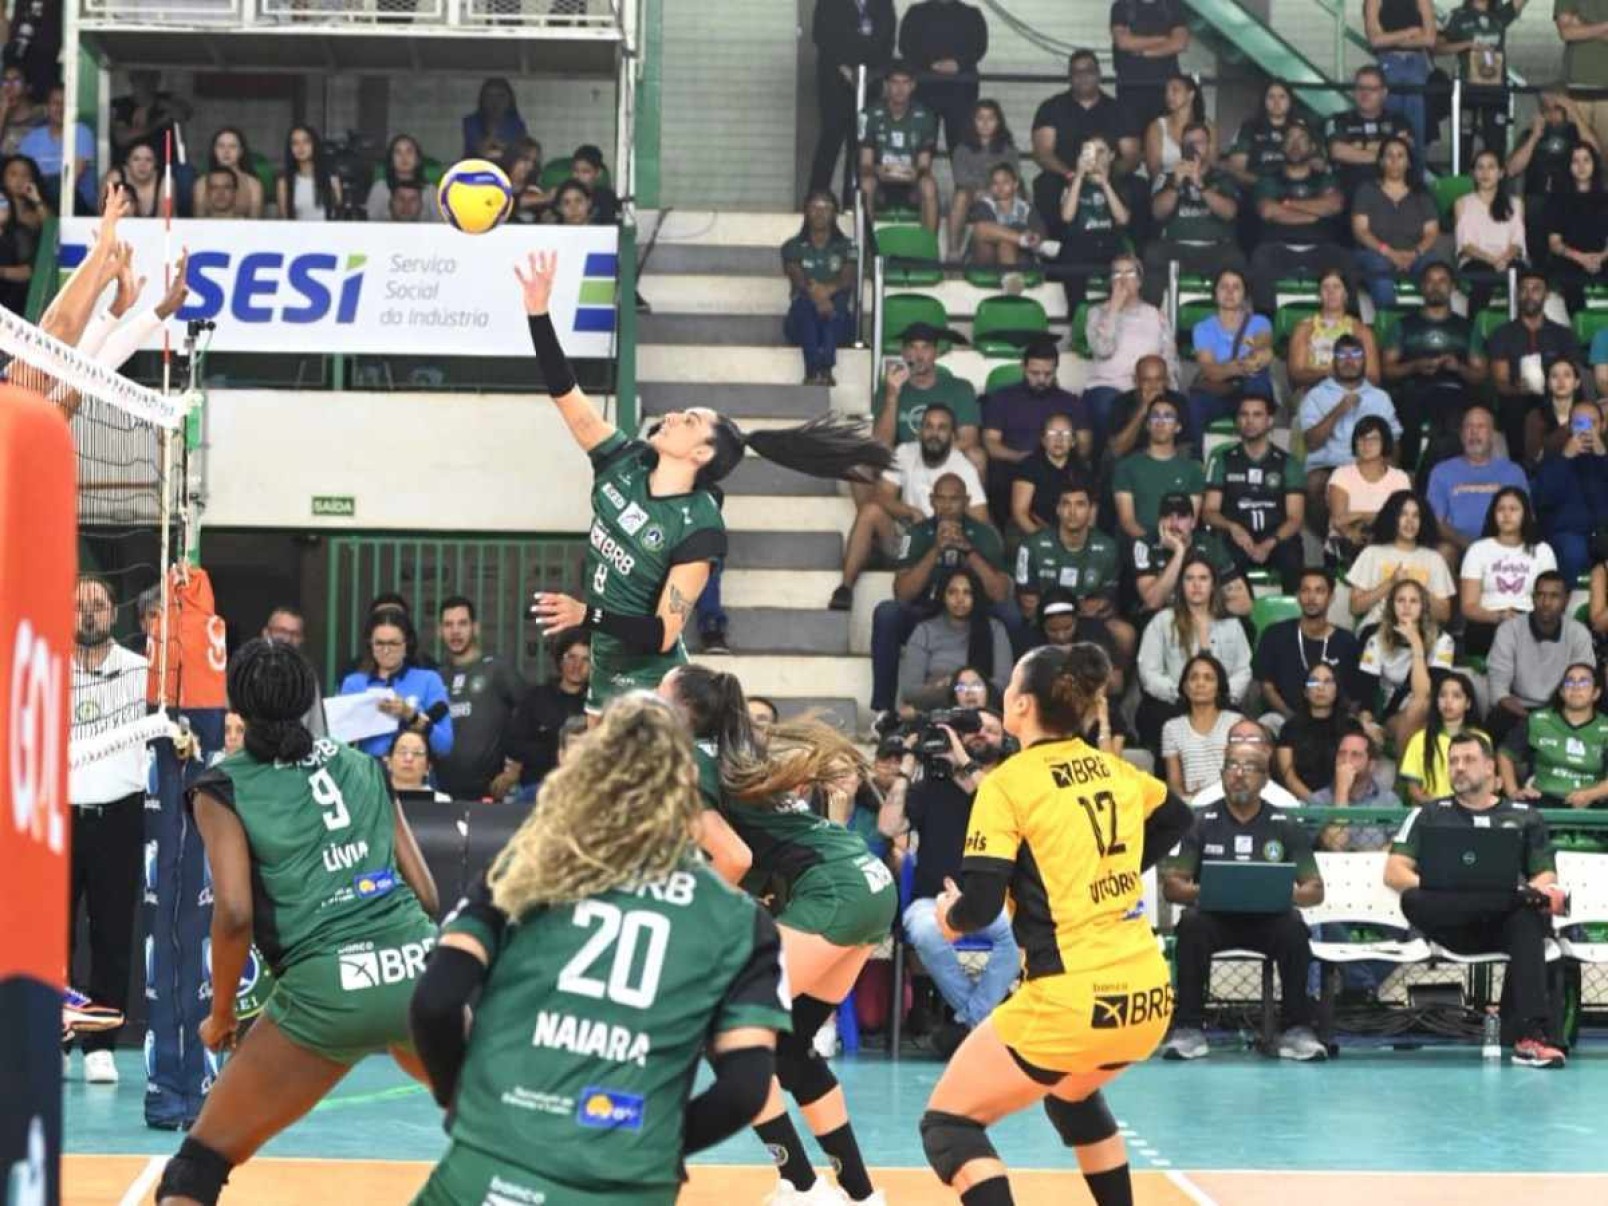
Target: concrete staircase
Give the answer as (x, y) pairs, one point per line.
(715, 339)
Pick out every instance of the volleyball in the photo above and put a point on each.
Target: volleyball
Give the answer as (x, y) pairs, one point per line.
(475, 196)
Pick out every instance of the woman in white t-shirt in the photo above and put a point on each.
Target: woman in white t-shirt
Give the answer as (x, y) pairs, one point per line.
(1500, 569)
(1192, 745)
(1406, 646)
(1356, 492)
(1405, 537)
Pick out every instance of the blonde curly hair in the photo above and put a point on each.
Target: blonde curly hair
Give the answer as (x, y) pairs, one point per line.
(620, 810)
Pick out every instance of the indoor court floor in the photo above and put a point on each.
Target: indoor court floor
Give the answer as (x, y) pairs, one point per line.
(1377, 1127)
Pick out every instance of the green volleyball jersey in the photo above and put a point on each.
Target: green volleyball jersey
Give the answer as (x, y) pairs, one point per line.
(1566, 757)
(1044, 564)
(636, 538)
(821, 265)
(322, 834)
(594, 1016)
(1255, 492)
(896, 141)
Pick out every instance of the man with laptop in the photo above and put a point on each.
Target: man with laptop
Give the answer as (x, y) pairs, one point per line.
(1243, 871)
(1476, 875)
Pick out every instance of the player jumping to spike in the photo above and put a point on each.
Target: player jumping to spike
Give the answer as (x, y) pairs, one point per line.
(656, 523)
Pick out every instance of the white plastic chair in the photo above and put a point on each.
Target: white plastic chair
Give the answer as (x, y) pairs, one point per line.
(1586, 877)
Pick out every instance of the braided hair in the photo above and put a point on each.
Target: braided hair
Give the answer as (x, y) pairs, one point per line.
(271, 686)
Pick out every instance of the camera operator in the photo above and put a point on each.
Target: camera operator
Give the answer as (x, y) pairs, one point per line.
(936, 810)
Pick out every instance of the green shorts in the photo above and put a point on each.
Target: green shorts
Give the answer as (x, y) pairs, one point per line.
(613, 676)
(353, 1001)
(847, 903)
(467, 1176)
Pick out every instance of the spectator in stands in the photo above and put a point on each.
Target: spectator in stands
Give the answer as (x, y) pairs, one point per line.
(1078, 560)
(819, 263)
(945, 38)
(1406, 545)
(963, 633)
(1311, 353)
(586, 165)
(896, 150)
(909, 388)
(1258, 151)
(1256, 493)
(1476, 32)
(1066, 121)
(1489, 231)
(229, 153)
(1157, 471)
(1395, 224)
(1130, 410)
(406, 204)
(1017, 425)
(308, 189)
(1583, 26)
(45, 144)
(1040, 478)
(1402, 35)
(1461, 489)
(219, 195)
(1542, 157)
(1400, 654)
(32, 40)
(1577, 228)
(1423, 762)
(1547, 423)
(1309, 740)
(1060, 624)
(1156, 564)
(1182, 106)
(1520, 353)
(418, 697)
(1193, 742)
(1243, 827)
(234, 734)
(1432, 360)
(1356, 784)
(904, 496)
(404, 165)
(1288, 652)
(986, 141)
(483, 691)
(286, 623)
(1147, 36)
(1356, 136)
(145, 115)
(952, 537)
(1563, 748)
(496, 118)
(1530, 654)
(1597, 605)
(1197, 622)
(1091, 219)
(1570, 491)
(1299, 207)
(1004, 228)
(524, 167)
(1121, 331)
(848, 34)
(543, 711)
(1194, 206)
(409, 766)
(1475, 922)
(1500, 569)
(1233, 351)
(19, 240)
(572, 205)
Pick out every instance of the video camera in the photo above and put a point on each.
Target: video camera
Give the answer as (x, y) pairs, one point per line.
(932, 743)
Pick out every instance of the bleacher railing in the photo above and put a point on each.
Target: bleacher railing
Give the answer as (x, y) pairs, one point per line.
(551, 15)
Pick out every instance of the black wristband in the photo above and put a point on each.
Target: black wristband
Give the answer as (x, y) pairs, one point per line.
(556, 372)
(644, 634)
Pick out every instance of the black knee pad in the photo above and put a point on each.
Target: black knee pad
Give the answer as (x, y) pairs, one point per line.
(809, 1015)
(1081, 1123)
(952, 1141)
(196, 1172)
(801, 1071)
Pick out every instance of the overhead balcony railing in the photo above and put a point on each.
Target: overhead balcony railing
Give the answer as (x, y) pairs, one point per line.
(553, 17)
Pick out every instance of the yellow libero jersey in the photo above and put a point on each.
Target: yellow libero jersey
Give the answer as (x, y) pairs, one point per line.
(1067, 823)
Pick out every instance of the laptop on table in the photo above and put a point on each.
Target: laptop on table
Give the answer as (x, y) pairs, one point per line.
(1470, 860)
(1231, 887)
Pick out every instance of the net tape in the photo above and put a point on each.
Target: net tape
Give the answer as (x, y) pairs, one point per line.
(26, 343)
(129, 736)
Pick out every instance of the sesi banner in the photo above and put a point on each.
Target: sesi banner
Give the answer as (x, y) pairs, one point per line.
(374, 288)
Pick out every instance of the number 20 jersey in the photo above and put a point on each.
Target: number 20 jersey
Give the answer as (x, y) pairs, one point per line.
(587, 1037)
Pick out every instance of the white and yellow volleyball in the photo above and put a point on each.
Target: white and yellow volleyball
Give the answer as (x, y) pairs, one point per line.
(475, 196)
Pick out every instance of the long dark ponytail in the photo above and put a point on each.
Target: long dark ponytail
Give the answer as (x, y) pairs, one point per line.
(272, 686)
(717, 709)
(830, 446)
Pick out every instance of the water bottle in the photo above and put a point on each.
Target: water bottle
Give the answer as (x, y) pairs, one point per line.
(1491, 1034)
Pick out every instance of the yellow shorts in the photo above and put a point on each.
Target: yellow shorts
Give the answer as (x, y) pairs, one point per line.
(1089, 1021)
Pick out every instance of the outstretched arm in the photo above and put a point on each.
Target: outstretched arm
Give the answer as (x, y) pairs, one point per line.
(536, 280)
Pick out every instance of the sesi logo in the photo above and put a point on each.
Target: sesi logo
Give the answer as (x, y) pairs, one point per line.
(37, 739)
(266, 286)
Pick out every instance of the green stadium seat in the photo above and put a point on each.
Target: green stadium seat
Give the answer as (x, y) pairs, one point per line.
(1001, 376)
(1268, 610)
(993, 279)
(1597, 297)
(912, 257)
(556, 171)
(1586, 325)
(1485, 322)
(1295, 289)
(1193, 288)
(1286, 319)
(1000, 316)
(896, 215)
(899, 310)
(1385, 325)
(1190, 313)
(1447, 189)
(1223, 427)
(1080, 329)
(1408, 297)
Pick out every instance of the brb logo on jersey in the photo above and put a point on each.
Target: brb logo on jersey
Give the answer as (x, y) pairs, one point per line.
(368, 968)
(610, 1109)
(1112, 1011)
(269, 287)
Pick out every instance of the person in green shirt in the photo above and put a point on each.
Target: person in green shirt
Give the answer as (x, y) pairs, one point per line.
(1476, 32)
(1564, 745)
(1079, 559)
(1195, 205)
(819, 262)
(1161, 467)
(898, 136)
(657, 530)
(915, 382)
(1583, 26)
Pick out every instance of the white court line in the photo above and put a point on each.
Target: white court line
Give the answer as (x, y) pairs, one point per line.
(136, 1192)
(1190, 1190)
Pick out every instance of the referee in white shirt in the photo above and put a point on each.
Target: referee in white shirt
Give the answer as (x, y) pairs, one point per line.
(108, 799)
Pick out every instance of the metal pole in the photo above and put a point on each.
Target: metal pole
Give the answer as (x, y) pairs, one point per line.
(1340, 40)
(1513, 291)
(69, 121)
(859, 216)
(1457, 126)
(876, 331)
(1172, 294)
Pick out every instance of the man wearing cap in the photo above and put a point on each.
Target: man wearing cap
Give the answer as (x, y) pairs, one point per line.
(919, 381)
(1330, 413)
(1255, 494)
(898, 136)
(1158, 563)
(1014, 419)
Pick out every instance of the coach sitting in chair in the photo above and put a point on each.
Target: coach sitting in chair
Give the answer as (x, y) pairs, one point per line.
(1457, 912)
(1225, 840)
